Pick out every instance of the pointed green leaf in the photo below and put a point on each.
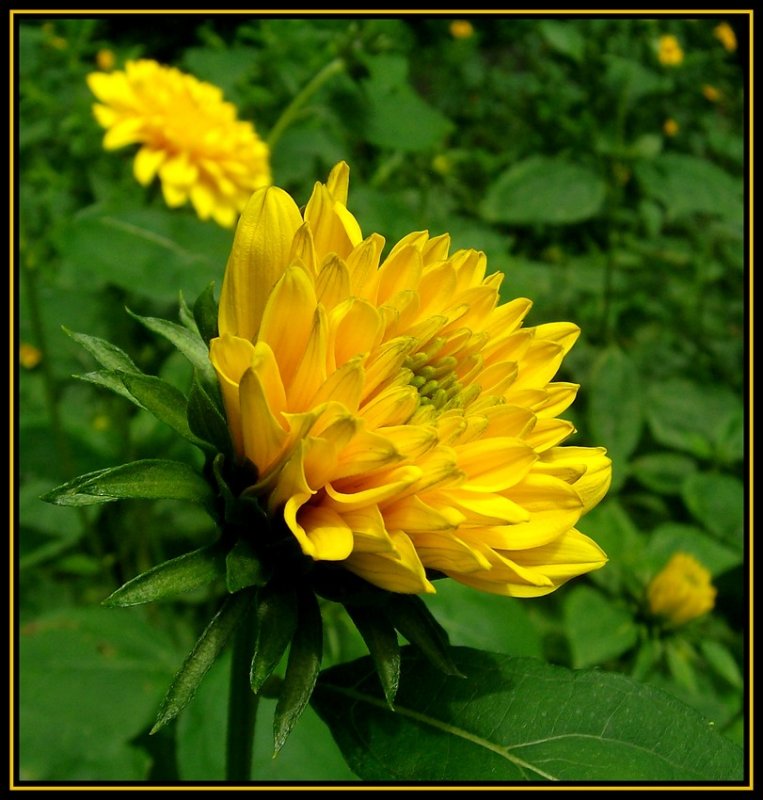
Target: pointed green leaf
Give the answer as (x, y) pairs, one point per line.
(517, 719)
(150, 479)
(189, 344)
(302, 669)
(108, 355)
(243, 568)
(381, 639)
(205, 419)
(723, 662)
(182, 574)
(205, 313)
(109, 379)
(410, 615)
(201, 658)
(276, 622)
(164, 401)
(185, 314)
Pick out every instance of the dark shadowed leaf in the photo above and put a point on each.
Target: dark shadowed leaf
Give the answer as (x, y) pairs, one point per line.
(517, 719)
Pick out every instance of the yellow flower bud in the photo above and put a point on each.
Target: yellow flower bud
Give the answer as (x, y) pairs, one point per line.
(461, 29)
(724, 33)
(682, 591)
(669, 52)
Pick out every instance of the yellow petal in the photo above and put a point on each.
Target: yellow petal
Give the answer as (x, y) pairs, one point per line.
(333, 283)
(448, 553)
(338, 182)
(288, 320)
(370, 535)
(374, 491)
(329, 534)
(492, 465)
(122, 132)
(399, 572)
(264, 438)
(260, 253)
(231, 357)
(335, 230)
(310, 373)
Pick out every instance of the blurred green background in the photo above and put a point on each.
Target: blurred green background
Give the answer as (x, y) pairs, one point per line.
(607, 185)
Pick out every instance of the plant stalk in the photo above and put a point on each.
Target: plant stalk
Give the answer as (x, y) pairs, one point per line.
(242, 706)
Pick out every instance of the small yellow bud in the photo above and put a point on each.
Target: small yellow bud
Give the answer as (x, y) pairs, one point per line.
(461, 29)
(670, 127)
(711, 93)
(724, 33)
(682, 591)
(29, 355)
(669, 52)
(105, 60)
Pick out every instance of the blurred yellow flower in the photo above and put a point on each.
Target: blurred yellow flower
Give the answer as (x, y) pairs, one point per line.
(106, 60)
(682, 591)
(397, 418)
(191, 138)
(711, 93)
(29, 355)
(669, 51)
(726, 36)
(670, 127)
(461, 29)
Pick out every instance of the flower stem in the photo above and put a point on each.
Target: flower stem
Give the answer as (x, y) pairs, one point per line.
(292, 110)
(242, 706)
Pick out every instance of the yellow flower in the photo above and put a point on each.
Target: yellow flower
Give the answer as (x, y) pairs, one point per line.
(726, 36)
(461, 29)
(670, 127)
(191, 138)
(669, 51)
(29, 355)
(105, 59)
(682, 591)
(398, 417)
(711, 93)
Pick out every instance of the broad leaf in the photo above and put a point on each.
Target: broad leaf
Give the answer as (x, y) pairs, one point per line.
(182, 574)
(151, 479)
(717, 502)
(544, 191)
(201, 658)
(517, 719)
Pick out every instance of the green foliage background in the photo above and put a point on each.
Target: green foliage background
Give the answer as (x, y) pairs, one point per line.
(539, 141)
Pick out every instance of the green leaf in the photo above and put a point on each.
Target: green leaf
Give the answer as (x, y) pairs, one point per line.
(108, 355)
(164, 401)
(686, 416)
(302, 669)
(243, 569)
(205, 313)
(615, 416)
(484, 621)
(563, 37)
(150, 479)
(410, 615)
(205, 419)
(276, 622)
(381, 639)
(517, 719)
(398, 118)
(201, 658)
(542, 190)
(109, 379)
(674, 537)
(663, 473)
(183, 574)
(598, 630)
(185, 314)
(722, 662)
(687, 185)
(191, 345)
(717, 501)
(89, 682)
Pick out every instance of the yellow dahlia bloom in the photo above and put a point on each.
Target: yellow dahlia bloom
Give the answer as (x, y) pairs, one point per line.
(190, 137)
(398, 417)
(669, 51)
(682, 591)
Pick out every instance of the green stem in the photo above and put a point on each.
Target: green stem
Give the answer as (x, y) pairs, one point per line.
(242, 706)
(292, 110)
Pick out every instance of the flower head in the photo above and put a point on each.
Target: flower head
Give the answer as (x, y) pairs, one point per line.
(461, 29)
(106, 60)
(670, 127)
(682, 591)
(190, 137)
(398, 418)
(724, 33)
(29, 355)
(669, 52)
